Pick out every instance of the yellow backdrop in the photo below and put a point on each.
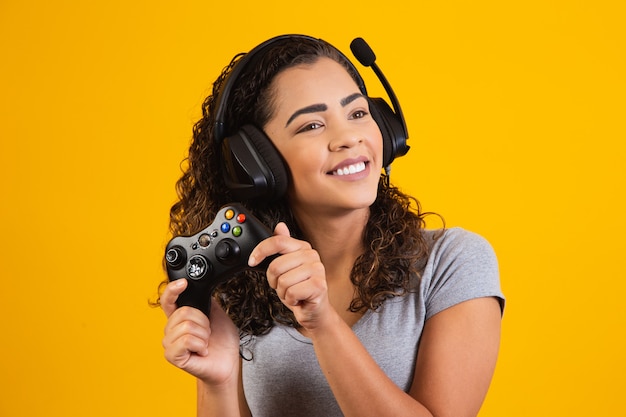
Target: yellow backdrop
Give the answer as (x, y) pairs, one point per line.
(516, 112)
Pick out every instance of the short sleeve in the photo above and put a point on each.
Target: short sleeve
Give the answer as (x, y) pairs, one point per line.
(462, 266)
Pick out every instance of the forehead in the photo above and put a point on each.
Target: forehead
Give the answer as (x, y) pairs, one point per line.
(321, 81)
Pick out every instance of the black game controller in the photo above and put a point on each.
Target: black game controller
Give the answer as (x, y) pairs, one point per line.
(213, 255)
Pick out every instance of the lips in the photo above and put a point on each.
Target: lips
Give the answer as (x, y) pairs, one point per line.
(350, 166)
(350, 169)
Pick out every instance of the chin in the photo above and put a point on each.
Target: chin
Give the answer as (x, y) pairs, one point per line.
(361, 202)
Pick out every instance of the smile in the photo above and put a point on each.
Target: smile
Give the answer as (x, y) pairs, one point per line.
(350, 169)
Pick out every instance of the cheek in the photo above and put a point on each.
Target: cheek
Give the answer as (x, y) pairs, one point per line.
(304, 163)
(377, 145)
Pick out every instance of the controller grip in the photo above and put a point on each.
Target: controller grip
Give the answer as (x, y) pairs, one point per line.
(195, 295)
(198, 294)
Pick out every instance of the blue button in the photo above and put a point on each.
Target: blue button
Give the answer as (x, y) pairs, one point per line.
(225, 227)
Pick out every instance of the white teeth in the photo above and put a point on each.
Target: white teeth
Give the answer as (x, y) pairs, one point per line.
(350, 169)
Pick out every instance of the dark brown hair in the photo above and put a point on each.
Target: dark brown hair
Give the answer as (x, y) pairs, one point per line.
(395, 248)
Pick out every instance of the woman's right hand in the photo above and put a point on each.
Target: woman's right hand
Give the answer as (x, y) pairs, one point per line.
(206, 348)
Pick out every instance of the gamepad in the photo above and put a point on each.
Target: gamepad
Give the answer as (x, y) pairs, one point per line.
(214, 254)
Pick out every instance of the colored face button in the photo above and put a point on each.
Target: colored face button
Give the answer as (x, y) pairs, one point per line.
(229, 214)
(241, 218)
(225, 227)
(237, 231)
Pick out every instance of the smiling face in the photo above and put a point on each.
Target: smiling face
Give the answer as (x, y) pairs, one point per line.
(322, 127)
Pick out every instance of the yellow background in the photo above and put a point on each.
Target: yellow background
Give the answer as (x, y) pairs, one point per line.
(516, 112)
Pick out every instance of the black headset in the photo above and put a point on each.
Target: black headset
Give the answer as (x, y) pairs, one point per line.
(254, 169)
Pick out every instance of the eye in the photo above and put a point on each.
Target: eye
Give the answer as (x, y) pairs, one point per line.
(359, 114)
(309, 126)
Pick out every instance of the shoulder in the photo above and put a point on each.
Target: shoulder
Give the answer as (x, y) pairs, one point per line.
(462, 265)
(456, 245)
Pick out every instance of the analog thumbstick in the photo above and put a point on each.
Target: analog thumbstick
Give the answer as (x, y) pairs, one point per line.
(175, 257)
(227, 251)
(198, 267)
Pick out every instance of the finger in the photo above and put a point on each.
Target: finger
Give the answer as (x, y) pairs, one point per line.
(309, 293)
(191, 342)
(295, 260)
(179, 351)
(187, 331)
(170, 295)
(280, 243)
(305, 283)
(187, 320)
(281, 229)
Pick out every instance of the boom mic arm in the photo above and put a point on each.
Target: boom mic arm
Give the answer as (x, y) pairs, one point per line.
(367, 58)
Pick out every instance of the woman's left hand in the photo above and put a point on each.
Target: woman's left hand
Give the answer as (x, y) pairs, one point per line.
(298, 276)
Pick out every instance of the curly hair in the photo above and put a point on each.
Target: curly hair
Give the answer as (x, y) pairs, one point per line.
(395, 248)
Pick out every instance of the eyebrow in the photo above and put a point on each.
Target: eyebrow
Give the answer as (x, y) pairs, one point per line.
(314, 108)
(345, 101)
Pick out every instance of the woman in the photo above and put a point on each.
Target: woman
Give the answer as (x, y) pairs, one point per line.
(364, 312)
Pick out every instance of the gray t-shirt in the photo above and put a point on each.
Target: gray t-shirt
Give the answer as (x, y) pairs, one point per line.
(283, 377)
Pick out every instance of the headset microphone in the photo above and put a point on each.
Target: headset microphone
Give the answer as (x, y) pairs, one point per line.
(364, 54)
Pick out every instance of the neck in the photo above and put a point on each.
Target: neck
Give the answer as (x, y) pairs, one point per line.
(336, 237)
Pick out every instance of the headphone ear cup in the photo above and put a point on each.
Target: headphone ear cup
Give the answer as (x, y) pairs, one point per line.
(394, 139)
(252, 167)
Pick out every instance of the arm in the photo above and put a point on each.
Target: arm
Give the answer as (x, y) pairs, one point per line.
(359, 385)
(213, 402)
(458, 347)
(457, 357)
(455, 364)
(208, 350)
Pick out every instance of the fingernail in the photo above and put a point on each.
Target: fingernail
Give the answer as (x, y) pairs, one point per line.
(252, 260)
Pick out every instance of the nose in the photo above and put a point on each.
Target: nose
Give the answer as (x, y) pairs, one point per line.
(344, 137)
